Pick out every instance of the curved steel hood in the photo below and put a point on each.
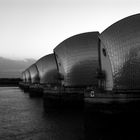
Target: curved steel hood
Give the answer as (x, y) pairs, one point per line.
(78, 60)
(47, 69)
(122, 43)
(34, 74)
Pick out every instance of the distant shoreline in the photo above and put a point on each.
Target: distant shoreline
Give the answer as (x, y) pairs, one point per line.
(9, 85)
(9, 82)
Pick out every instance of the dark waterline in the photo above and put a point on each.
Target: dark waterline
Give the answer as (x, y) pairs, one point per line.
(23, 118)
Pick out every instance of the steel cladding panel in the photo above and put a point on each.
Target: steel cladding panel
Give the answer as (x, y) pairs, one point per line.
(28, 77)
(34, 74)
(47, 69)
(77, 59)
(122, 43)
(23, 77)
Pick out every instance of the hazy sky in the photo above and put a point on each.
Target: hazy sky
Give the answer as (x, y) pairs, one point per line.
(32, 28)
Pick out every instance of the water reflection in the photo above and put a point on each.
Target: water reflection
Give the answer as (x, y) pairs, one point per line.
(22, 117)
(100, 125)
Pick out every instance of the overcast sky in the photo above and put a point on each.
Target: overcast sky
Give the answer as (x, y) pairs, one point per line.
(32, 28)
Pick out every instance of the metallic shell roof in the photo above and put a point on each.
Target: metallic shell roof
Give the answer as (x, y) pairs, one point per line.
(122, 43)
(23, 77)
(47, 69)
(27, 75)
(77, 59)
(34, 74)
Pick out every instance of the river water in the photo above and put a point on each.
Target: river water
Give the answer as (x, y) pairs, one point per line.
(23, 118)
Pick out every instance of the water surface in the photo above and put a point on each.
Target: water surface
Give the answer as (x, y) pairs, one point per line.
(23, 118)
